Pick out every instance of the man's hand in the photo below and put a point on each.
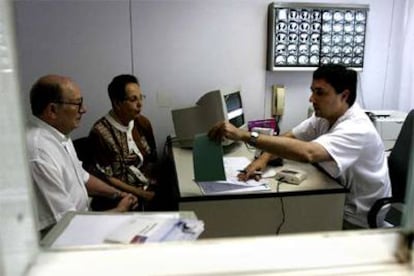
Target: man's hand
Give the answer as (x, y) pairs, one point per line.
(249, 171)
(225, 130)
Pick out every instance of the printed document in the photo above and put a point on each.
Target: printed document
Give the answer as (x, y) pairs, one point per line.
(140, 229)
(104, 228)
(232, 185)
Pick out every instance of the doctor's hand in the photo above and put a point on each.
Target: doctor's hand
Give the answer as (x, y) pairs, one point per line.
(251, 170)
(225, 130)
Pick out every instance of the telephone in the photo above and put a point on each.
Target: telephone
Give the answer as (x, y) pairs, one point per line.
(278, 100)
(291, 176)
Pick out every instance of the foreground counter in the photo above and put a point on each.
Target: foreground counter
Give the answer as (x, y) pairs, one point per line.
(363, 252)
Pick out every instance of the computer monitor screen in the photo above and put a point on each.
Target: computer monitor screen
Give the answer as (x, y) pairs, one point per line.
(234, 107)
(210, 108)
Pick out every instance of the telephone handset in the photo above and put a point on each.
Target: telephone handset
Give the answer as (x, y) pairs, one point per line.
(278, 100)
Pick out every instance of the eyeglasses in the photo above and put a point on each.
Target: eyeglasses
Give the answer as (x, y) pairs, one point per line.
(79, 104)
(134, 99)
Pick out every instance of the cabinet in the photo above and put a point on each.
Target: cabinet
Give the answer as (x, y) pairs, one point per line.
(388, 124)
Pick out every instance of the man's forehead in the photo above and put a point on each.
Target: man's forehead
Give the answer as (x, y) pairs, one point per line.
(132, 88)
(53, 79)
(319, 84)
(71, 89)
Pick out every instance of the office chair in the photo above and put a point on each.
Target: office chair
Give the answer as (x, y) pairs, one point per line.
(398, 170)
(83, 150)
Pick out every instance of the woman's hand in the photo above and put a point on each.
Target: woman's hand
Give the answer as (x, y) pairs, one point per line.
(127, 202)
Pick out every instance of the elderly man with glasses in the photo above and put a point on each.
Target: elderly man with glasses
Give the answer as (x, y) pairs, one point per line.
(60, 182)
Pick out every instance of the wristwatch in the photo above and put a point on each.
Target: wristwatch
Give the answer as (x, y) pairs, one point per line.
(253, 138)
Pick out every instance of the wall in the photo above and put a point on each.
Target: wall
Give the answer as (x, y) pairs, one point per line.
(186, 48)
(86, 40)
(182, 49)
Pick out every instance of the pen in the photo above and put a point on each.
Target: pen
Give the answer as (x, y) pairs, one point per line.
(255, 172)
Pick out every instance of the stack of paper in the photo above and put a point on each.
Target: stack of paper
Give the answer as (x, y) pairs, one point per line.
(99, 228)
(140, 229)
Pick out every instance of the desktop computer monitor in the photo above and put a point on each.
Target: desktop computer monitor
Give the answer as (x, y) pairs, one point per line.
(210, 108)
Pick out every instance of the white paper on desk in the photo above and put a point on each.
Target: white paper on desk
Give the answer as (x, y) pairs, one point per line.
(232, 185)
(142, 230)
(97, 226)
(186, 230)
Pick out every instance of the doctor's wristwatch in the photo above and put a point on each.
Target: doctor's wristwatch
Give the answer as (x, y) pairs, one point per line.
(253, 138)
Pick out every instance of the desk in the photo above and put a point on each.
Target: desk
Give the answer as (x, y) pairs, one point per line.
(314, 205)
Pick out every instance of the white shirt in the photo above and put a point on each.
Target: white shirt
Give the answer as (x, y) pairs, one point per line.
(359, 163)
(58, 177)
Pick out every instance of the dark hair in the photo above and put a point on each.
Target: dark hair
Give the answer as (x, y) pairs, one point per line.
(42, 93)
(340, 78)
(116, 89)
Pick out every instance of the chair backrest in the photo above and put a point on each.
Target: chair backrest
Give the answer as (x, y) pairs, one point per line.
(83, 150)
(398, 159)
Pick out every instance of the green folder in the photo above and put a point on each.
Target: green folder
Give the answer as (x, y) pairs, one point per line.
(207, 159)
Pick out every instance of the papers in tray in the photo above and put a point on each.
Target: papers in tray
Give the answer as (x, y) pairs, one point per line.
(140, 229)
(232, 185)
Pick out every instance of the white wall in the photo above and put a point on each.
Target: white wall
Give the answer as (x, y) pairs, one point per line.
(86, 40)
(186, 48)
(183, 49)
